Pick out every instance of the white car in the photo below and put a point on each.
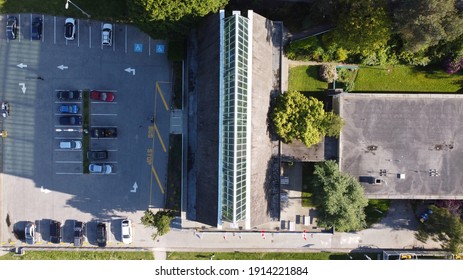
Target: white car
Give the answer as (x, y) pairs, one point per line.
(101, 168)
(107, 34)
(70, 29)
(70, 144)
(29, 232)
(126, 230)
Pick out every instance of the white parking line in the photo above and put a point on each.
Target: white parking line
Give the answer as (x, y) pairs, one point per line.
(54, 30)
(112, 150)
(126, 39)
(68, 138)
(31, 29)
(90, 36)
(67, 150)
(43, 28)
(78, 33)
(102, 102)
(103, 114)
(114, 38)
(68, 161)
(67, 173)
(149, 46)
(19, 28)
(101, 27)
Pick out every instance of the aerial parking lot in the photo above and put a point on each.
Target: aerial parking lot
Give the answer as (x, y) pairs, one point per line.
(126, 76)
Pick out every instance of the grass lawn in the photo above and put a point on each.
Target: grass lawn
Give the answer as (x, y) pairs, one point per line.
(405, 79)
(80, 255)
(114, 10)
(305, 78)
(267, 256)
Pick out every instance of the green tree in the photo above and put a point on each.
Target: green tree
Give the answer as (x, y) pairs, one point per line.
(364, 28)
(171, 16)
(339, 198)
(425, 23)
(297, 117)
(445, 227)
(159, 221)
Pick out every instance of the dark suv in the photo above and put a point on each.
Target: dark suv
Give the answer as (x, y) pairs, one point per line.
(55, 232)
(12, 27)
(78, 233)
(101, 234)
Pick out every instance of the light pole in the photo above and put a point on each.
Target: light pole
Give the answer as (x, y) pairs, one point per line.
(66, 6)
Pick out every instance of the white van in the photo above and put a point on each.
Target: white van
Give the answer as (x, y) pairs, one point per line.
(70, 144)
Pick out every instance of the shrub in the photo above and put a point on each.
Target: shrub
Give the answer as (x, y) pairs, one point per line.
(328, 73)
(341, 54)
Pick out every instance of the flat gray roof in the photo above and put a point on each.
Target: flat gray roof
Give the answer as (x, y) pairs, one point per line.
(414, 136)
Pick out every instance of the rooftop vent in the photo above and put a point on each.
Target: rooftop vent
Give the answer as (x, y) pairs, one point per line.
(401, 176)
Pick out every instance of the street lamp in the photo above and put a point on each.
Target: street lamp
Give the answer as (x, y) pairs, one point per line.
(66, 6)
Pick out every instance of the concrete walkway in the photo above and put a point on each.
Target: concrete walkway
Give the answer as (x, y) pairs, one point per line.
(396, 231)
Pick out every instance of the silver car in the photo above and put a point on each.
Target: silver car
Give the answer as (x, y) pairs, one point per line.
(107, 34)
(29, 232)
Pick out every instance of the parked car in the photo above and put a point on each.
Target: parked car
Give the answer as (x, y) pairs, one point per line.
(101, 168)
(107, 34)
(126, 230)
(36, 28)
(78, 233)
(101, 234)
(29, 233)
(70, 144)
(102, 96)
(103, 132)
(70, 29)
(69, 95)
(69, 109)
(55, 232)
(70, 120)
(12, 27)
(97, 155)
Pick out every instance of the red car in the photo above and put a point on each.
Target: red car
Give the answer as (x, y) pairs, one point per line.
(102, 96)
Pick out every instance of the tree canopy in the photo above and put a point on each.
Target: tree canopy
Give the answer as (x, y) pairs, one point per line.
(363, 28)
(159, 221)
(339, 198)
(171, 16)
(425, 23)
(445, 227)
(297, 117)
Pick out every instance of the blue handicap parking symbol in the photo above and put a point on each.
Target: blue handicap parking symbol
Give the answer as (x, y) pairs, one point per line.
(160, 48)
(138, 48)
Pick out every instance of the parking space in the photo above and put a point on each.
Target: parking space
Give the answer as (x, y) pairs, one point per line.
(42, 166)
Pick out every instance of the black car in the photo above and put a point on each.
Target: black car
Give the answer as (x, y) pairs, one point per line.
(97, 155)
(12, 27)
(103, 132)
(55, 232)
(78, 233)
(101, 234)
(70, 120)
(69, 95)
(36, 28)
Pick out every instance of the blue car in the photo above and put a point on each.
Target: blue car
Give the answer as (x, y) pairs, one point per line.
(69, 109)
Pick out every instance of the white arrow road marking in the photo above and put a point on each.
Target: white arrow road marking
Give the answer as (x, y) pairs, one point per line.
(134, 187)
(130, 70)
(44, 190)
(23, 87)
(21, 65)
(62, 67)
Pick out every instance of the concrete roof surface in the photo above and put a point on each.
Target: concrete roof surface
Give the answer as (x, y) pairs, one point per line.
(416, 135)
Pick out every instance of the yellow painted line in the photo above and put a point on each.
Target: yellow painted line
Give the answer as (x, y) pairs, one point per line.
(162, 96)
(160, 139)
(157, 178)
